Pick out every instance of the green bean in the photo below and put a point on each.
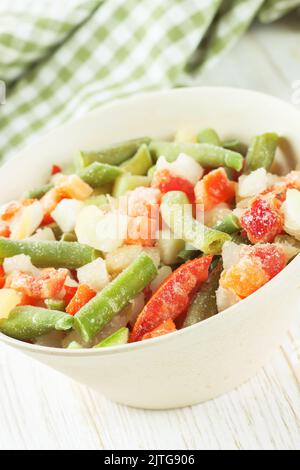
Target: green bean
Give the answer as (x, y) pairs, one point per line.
(204, 304)
(261, 152)
(56, 304)
(230, 224)
(209, 156)
(187, 255)
(68, 237)
(27, 322)
(209, 136)
(140, 163)
(239, 239)
(128, 182)
(151, 172)
(112, 154)
(43, 254)
(93, 316)
(116, 339)
(177, 213)
(56, 230)
(38, 193)
(233, 144)
(97, 174)
(99, 200)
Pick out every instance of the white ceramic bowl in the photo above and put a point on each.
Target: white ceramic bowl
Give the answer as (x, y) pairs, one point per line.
(212, 357)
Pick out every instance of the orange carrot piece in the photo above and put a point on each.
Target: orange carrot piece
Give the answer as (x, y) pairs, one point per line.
(83, 295)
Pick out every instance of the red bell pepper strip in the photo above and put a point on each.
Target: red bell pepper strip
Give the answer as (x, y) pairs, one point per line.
(172, 298)
(83, 295)
(163, 329)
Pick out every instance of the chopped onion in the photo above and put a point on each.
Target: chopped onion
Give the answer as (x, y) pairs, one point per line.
(291, 211)
(184, 167)
(252, 184)
(43, 234)
(163, 273)
(231, 254)
(225, 298)
(20, 263)
(66, 212)
(26, 223)
(94, 274)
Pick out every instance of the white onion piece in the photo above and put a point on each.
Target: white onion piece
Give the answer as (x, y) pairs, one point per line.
(94, 274)
(66, 212)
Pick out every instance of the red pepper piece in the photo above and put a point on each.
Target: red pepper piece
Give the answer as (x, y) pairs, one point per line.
(262, 222)
(172, 297)
(83, 295)
(163, 329)
(55, 169)
(165, 182)
(70, 291)
(47, 285)
(272, 258)
(214, 189)
(2, 277)
(4, 230)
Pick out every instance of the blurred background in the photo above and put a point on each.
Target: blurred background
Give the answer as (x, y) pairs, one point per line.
(58, 60)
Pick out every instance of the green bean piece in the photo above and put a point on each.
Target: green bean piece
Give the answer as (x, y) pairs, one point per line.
(209, 136)
(230, 224)
(261, 152)
(128, 182)
(38, 193)
(56, 304)
(188, 255)
(27, 322)
(140, 163)
(93, 316)
(68, 237)
(113, 154)
(97, 200)
(239, 239)
(116, 339)
(151, 172)
(97, 174)
(204, 304)
(56, 230)
(209, 156)
(233, 144)
(177, 213)
(71, 255)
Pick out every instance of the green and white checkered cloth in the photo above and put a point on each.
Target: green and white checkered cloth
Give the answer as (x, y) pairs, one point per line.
(61, 59)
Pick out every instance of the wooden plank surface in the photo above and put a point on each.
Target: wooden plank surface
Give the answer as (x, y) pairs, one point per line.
(41, 409)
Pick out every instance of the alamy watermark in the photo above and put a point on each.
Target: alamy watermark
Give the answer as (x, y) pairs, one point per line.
(2, 92)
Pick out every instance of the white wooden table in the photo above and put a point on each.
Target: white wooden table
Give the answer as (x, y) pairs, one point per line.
(41, 409)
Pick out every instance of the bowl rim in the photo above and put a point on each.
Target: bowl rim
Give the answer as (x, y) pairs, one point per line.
(234, 309)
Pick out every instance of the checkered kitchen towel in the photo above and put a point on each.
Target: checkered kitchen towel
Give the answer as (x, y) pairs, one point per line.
(62, 59)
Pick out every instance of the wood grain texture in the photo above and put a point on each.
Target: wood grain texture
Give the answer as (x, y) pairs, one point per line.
(41, 409)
